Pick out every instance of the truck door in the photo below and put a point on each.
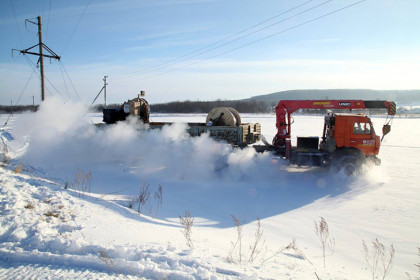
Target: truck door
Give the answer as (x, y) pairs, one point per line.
(362, 137)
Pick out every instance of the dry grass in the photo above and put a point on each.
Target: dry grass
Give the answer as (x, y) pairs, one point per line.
(29, 206)
(323, 232)
(18, 169)
(6, 158)
(239, 254)
(187, 223)
(418, 266)
(144, 197)
(82, 181)
(377, 257)
(144, 200)
(52, 214)
(158, 196)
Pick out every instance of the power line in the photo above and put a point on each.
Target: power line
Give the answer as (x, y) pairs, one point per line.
(21, 93)
(24, 88)
(256, 41)
(71, 82)
(32, 64)
(249, 34)
(77, 25)
(221, 40)
(64, 81)
(48, 19)
(17, 25)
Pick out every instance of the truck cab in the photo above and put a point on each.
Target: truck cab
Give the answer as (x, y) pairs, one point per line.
(350, 131)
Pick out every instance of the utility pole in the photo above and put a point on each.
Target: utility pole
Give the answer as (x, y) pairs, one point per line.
(105, 84)
(102, 89)
(41, 58)
(41, 54)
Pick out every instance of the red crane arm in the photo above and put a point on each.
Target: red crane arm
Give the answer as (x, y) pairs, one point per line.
(292, 105)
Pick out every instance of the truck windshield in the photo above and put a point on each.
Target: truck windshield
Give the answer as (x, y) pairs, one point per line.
(362, 128)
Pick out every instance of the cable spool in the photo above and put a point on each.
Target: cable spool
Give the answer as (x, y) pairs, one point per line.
(236, 114)
(222, 116)
(139, 107)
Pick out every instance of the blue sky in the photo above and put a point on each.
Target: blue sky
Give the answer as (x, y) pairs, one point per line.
(374, 44)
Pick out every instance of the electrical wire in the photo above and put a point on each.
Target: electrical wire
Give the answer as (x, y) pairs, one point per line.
(256, 31)
(17, 25)
(71, 82)
(253, 42)
(75, 28)
(48, 20)
(167, 63)
(20, 95)
(64, 81)
(33, 67)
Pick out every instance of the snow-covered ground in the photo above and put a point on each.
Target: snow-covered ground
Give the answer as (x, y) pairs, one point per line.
(69, 203)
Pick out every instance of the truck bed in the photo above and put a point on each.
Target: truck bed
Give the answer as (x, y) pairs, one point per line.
(242, 135)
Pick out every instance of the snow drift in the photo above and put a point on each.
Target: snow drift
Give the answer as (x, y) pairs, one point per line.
(210, 179)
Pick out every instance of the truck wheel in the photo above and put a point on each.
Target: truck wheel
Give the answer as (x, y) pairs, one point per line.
(348, 160)
(349, 165)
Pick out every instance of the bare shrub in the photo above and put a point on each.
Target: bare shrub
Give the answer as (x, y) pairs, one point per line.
(290, 247)
(255, 246)
(378, 257)
(82, 181)
(237, 253)
(66, 184)
(133, 200)
(52, 214)
(418, 266)
(158, 196)
(6, 158)
(144, 197)
(18, 169)
(112, 267)
(108, 261)
(323, 233)
(29, 206)
(47, 200)
(187, 223)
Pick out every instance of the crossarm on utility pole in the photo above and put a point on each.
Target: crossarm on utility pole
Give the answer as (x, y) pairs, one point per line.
(41, 46)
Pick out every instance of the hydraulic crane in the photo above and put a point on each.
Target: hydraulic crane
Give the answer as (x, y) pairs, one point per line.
(348, 140)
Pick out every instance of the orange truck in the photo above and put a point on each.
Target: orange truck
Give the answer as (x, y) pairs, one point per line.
(348, 140)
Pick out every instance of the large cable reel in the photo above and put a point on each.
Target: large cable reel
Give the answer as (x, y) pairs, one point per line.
(223, 116)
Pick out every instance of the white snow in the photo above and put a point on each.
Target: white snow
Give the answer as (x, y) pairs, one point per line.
(57, 226)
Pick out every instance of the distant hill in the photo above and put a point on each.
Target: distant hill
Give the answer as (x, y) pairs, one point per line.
(401, 97)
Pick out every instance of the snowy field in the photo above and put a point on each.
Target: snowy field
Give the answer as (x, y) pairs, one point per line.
(70, 192)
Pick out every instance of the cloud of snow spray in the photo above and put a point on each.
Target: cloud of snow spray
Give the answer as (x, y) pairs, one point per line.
(197, 173)
(62, 136)
(63, 139)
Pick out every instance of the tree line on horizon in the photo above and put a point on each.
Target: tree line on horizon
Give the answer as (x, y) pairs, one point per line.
(249, 106)
(18, 108)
